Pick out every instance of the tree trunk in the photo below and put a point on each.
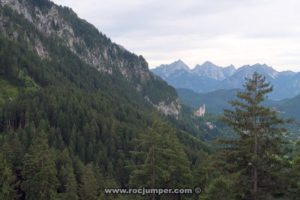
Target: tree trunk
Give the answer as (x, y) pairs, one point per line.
(255, 168)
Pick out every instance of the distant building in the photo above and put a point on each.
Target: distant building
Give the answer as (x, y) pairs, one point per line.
(200, 112)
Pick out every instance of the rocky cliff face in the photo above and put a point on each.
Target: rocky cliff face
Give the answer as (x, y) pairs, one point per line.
(85, 41)
(169, 109)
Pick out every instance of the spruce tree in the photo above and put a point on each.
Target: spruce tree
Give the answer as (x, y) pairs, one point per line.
(67, 182)
(256, 153)
(39, 171)
(220, 188)
(88, 184)
(164, 162)
(152, 172)
(6, 180)
(294, 187)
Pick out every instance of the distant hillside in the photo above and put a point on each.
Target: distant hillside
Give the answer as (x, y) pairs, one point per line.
(215, 101)
(218, 100)
(290, 107)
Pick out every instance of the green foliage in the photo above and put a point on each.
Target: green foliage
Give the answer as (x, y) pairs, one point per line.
(220, 188)
(88, 184)
(294, 175)
(40, 181)
(6, 180)
(42, 4)
(8, 91)
(205, 171)
(12, 87)
(164, 163)
(67, 187)
(167, 93)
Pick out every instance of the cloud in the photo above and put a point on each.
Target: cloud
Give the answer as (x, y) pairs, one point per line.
(224, 31)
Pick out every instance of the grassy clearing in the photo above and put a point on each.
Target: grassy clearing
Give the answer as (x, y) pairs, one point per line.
(10, 88)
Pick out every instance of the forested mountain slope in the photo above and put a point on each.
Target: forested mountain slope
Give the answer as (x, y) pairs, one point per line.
(79, 113)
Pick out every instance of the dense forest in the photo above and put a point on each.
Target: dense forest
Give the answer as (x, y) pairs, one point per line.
(68, 129)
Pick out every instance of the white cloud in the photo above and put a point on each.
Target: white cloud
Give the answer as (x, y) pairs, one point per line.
(224, 31)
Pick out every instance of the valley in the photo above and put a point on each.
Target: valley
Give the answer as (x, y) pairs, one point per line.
(81, 114)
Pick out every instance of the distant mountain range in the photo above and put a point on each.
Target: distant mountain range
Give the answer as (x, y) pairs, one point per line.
(209, 77)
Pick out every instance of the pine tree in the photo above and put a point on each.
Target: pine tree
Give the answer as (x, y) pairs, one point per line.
(88, 184)
(67, 182)
(256, 153)
(294, 188)
(6, 180)
(220, 188)
(152, 172)
(204, 171)
(164, 162)
(39, 171)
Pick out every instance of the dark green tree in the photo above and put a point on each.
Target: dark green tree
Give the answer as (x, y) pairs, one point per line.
(67, 182)
(222, 187)
(6, 180)
(256, 153)
(39, 171)
(204, 171)
(152, 172)
(88, 184)
(164, 163)
(295, 179)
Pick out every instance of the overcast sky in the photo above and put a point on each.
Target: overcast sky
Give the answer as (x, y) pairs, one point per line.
(225, 32)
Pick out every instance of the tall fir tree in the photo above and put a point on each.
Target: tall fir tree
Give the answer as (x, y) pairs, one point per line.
(222, 187)
(39, 171)
(294, 188)
(164, 163)
(67, 182)
(6, 180)
(256, 153)
(88, 188)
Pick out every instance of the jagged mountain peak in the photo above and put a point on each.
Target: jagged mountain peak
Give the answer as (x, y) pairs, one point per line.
(264, 69)
(179, 61)
(179, 64)
(230, 67)
(257, 66)
(206, 64)
(213, 71)
(209, 64)
(166, 70)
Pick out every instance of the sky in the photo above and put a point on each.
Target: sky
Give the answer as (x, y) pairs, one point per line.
(225, 32)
